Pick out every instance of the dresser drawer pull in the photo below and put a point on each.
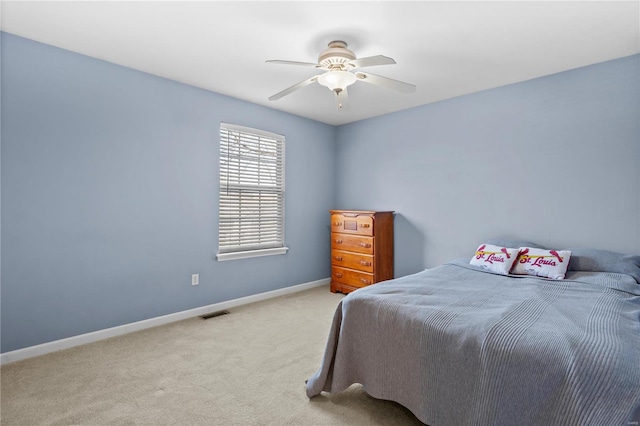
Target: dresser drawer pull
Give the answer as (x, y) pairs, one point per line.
(337, 223)
(338, 258)
(365, 245)
(338, 275)
(365, 263)
(364, 225)
(363, 281)
(338, 241)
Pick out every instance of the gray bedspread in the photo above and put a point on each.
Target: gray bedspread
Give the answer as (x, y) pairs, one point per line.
(460, 346)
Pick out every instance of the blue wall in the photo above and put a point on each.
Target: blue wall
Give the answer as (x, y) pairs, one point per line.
(109, 184)
(109, 196)
(555, 160)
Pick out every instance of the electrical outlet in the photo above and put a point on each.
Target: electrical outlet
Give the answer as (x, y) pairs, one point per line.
(195, 279)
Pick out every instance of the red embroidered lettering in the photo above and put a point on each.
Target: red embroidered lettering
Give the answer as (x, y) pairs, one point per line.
(493, 258)
(525, 259)
(539, 262)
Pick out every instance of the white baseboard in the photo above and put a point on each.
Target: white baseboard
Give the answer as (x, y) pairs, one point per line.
(94, 336)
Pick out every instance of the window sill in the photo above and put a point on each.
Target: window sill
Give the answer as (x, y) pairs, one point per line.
(251, 253)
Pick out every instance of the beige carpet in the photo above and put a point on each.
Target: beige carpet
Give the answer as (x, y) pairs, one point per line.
(245, 368)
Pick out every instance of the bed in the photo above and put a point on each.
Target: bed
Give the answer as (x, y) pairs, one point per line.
(458, 345)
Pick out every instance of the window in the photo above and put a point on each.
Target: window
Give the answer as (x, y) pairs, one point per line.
(251, 193)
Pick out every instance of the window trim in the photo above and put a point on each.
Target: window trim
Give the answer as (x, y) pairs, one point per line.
(235, 255)
(253, 252)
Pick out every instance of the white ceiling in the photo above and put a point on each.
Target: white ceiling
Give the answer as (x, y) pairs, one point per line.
(447, 48)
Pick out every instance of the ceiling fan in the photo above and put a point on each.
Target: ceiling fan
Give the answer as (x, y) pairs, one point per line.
(339, 64)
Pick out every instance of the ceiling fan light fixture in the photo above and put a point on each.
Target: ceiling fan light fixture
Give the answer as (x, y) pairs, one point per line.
(338, 61)
(337, 80)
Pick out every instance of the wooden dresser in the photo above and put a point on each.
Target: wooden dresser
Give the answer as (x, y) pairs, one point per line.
(361, 248)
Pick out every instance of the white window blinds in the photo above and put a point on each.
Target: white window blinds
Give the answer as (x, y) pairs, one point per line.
(251, 189)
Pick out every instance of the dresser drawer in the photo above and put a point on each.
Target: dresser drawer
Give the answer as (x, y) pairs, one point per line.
(361, 225)
(360, 262)
(351, 277)
(352, 243)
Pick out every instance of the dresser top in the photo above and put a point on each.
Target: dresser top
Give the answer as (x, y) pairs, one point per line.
(361, 211)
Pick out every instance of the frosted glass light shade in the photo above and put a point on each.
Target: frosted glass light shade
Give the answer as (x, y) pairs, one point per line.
(337, 79)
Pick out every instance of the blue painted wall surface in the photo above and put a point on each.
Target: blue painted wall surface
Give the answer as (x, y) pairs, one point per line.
(109, 196)
(109, 184)
(555, 160)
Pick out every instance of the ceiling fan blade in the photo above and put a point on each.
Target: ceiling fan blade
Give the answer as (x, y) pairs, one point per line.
(343, 99)
(293, 88)
(371, 61)
(304, 64)
(386, 82)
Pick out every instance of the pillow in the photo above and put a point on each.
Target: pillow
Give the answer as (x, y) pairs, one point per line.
(513, 243)
(542, 263)
(592, 260)
(495, 258)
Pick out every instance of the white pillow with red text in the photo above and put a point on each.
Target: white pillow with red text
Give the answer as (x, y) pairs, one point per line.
(495, 258)
(542, 263)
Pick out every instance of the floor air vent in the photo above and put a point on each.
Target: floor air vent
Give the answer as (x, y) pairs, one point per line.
(214, 314)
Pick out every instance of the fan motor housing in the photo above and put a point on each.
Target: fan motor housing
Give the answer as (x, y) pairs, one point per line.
(336, 55)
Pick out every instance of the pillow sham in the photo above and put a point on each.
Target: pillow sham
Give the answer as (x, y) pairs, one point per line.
(592, 260)
(494, 258)
(513, 243)
(542, 263)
